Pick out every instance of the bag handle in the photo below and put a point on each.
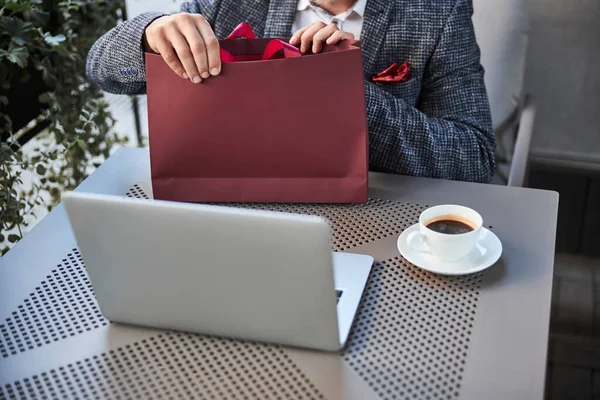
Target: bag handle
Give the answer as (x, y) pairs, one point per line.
(276, 45)
(244, 31)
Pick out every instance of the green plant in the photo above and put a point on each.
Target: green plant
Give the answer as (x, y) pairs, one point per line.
(51, 39)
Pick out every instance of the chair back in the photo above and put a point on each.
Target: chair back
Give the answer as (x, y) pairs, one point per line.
(502, 29)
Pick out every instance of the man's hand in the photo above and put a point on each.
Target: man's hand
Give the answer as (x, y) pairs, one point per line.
(188, 45)
(317, 34)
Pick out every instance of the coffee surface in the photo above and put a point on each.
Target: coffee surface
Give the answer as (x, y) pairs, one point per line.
(450, 226)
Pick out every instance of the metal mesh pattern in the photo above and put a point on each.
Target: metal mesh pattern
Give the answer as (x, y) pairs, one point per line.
(174, 366)
(136, 192)
(62, 305)
(411, 334)
(353, 224)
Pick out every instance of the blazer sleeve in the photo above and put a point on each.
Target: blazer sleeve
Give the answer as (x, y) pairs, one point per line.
(449, 134)
(116, 62)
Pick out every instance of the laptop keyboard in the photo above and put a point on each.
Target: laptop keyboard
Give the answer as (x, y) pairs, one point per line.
(339, 294)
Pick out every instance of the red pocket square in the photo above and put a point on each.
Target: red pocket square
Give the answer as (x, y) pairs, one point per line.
(394, 74)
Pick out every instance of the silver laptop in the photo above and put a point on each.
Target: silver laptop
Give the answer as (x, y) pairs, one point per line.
(238, 273)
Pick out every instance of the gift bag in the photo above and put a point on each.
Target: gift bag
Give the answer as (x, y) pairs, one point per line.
(274, 126)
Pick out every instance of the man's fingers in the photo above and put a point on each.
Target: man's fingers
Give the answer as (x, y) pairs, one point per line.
(295, 40)
(184, 53)
(335, 38)
(307, 36)
(198, 48)
(168, 54)
(212, 45)
(338, 36)
(323, 35)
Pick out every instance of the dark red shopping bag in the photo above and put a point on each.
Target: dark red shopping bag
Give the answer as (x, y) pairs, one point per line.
(274, 126)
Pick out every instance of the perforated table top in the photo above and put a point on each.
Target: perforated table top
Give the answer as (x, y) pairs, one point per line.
(416, 335)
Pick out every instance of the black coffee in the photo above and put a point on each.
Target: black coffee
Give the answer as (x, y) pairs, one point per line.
(449, 226)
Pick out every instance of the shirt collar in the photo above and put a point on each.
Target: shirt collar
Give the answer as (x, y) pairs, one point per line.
(359, 7)
(303, 5)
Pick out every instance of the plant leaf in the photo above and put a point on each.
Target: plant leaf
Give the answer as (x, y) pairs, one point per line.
(16, 55)
(45, 66)
(13, 238)
(44, 98)
(17, 7)
(21, 32)
(36, 16)
(40, 169)
(54, 40)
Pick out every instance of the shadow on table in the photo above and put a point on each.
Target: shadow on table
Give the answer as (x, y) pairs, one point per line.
(495, 274)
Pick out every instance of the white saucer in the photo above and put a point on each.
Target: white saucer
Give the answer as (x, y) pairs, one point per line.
(487, 252)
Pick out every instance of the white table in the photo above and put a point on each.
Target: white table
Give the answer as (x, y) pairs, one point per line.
(416, 335)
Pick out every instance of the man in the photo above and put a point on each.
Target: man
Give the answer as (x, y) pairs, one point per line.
(435, 124)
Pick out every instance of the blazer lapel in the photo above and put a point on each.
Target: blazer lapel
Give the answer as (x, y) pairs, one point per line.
(281, 18)
(375, 27)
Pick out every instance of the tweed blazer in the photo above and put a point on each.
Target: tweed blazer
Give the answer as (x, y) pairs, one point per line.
(437, 124)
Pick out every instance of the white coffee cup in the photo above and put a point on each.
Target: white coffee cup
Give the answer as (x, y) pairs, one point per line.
(445, 246)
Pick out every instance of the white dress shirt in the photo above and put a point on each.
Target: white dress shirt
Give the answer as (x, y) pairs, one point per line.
(348, 21)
